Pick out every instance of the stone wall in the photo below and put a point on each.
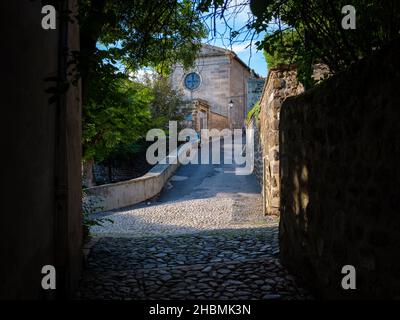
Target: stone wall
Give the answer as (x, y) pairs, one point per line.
(126, 193)
(118, 172)
(217, 121)
(340, 178)
(281, 83)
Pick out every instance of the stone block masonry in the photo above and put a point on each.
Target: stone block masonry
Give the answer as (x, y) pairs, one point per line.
(224, 78)
(340, 177)
(218, 121)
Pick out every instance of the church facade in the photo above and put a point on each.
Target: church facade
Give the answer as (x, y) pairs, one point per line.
(217, 85)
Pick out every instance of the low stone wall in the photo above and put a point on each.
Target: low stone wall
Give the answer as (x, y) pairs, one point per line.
(340, 178)
(217, 121)
(102, 176)
(125, 193)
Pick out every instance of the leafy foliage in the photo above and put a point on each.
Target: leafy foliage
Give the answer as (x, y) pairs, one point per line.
(90, 206)
(117, 38)
(254, 112)
(311, 30)
(139, 33)
(120, 113)
(168, 103)
(124, 110)
(282, 49)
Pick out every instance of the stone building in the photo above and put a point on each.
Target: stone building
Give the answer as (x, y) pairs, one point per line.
(255, 87)
(217, 85)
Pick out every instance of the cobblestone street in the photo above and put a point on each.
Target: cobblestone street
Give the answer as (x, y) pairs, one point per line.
(227, 264)
(204, 237)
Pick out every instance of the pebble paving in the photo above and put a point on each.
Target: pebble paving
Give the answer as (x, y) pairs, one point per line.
(217, 265)
(212, 243)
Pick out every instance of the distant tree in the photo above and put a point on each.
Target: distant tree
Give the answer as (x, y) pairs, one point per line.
(168, 103)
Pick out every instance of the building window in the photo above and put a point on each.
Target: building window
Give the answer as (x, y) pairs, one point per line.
(192, 81)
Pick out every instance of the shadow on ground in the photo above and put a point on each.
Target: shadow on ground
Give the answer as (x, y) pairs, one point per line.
(219, 264)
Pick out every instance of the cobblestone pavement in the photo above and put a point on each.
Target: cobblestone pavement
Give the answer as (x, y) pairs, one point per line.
(204, 237)
(224, 264)
(220, 211)
(196, 198)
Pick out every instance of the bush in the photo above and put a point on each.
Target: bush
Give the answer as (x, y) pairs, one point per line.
(254, 112)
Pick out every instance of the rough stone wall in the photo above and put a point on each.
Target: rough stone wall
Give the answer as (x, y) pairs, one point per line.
(281, 83)
(340, 177)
